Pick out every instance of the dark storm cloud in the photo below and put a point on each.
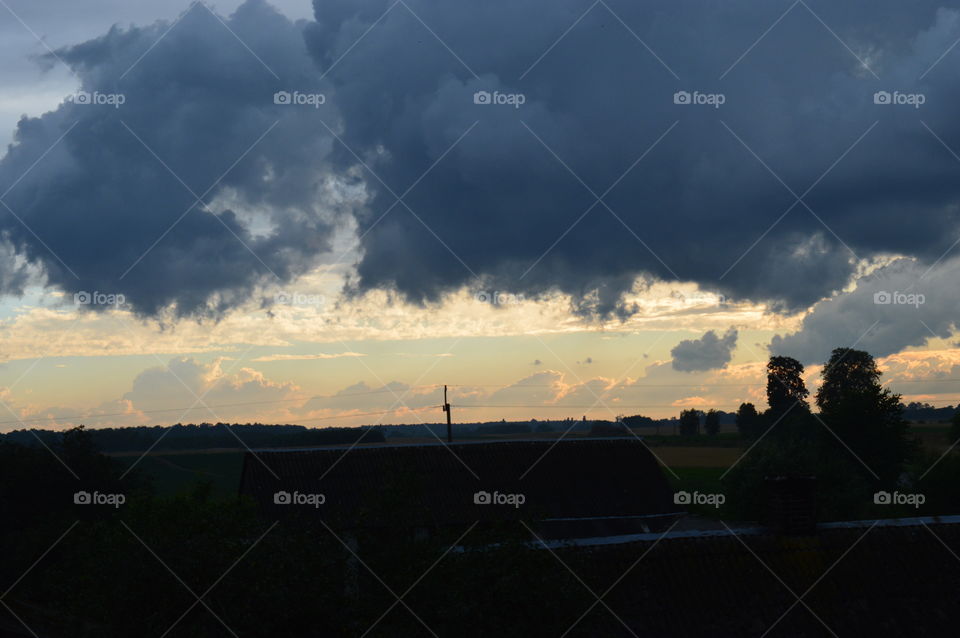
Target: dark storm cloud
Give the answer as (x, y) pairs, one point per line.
(599, 99)
(494, 198)
(706, 353)
(100, 200)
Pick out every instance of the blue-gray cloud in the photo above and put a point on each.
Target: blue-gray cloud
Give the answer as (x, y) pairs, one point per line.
(599, 99)
(900, 305)
(709, 352)
(492, 204)
(105, 210)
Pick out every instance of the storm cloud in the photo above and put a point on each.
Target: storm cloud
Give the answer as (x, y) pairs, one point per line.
(121, 190)
(713, 199)
(529, 158)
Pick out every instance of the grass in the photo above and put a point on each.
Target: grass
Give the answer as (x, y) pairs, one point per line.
(172, 473)
(724, 439)
(705, 480)
(698, 457)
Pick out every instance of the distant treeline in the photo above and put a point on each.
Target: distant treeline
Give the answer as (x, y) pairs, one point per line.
(925, 412)
(216, 435)
(599, 427)
(203, 436)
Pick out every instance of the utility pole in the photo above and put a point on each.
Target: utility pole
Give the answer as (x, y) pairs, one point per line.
(446, 408)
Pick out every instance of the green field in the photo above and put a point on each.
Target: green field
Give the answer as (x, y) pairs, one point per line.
(694, 463)
(172, 473)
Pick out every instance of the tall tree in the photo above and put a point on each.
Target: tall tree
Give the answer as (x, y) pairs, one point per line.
(711, 424)
(849, 373)
(785, 386)
(867, 417)
(689, 422)
(748, 420)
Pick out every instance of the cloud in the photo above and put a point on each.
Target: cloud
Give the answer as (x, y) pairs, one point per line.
(180, 390)
(706, 353)
(900, 305)
(693, 208)
(111, 202)
(540, 388)
(181, 381)
(489, 202)
(307, 357)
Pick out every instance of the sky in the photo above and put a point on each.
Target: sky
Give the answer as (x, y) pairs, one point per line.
(323, 213)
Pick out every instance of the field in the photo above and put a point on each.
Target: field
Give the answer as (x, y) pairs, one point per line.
(698, 461)
(933, 436)
(176, 472)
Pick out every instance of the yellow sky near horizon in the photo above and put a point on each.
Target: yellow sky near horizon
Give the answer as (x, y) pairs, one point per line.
(377, 359)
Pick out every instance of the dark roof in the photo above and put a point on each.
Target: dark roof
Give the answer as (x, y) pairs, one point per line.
(604, 484)
(866, 578)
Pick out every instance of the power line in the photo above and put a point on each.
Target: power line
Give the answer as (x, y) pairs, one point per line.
(184, 410)
(351, 416)
(571, 407)
(211, 408)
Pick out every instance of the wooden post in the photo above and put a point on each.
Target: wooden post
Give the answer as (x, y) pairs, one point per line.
(446, 408)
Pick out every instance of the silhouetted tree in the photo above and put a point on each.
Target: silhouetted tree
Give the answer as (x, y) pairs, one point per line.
(955, 426)
(748, 420)
(689, 422)
(849, 373)
(785, 386)
(864, 414)
(711, 424)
